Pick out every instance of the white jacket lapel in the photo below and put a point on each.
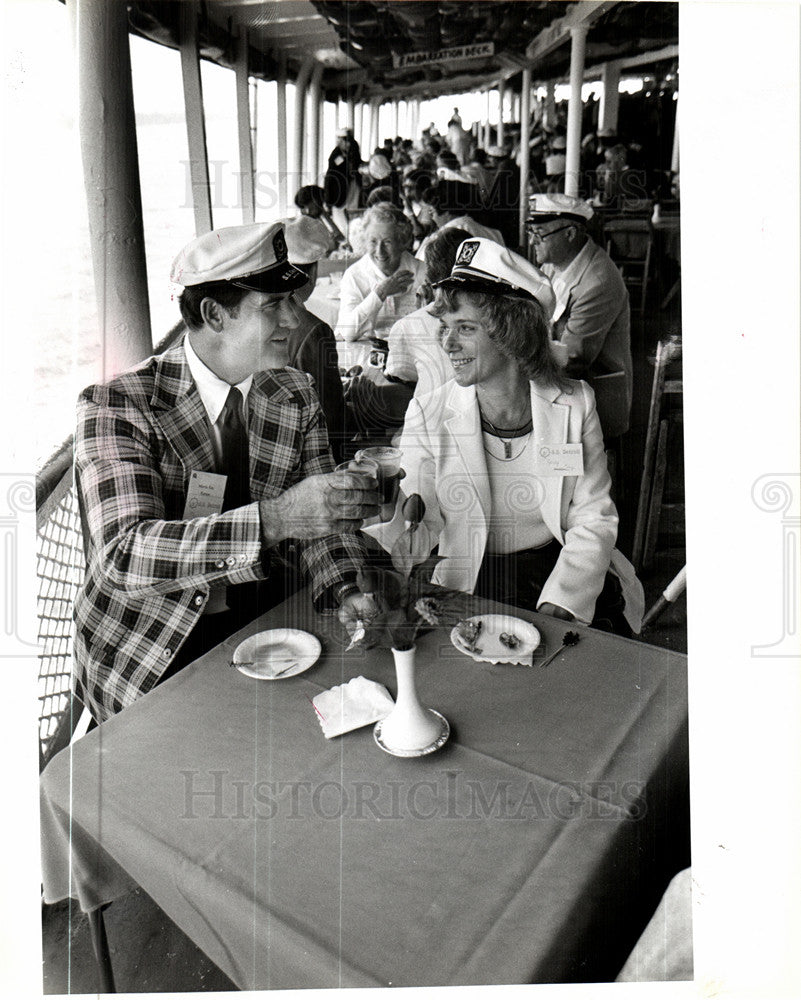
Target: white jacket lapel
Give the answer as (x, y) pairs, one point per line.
(463, 424)
(550, 426)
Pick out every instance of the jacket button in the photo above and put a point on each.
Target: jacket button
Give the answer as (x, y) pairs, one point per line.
(198, 600)
(220, 563)
(166, 654)
(230, 561)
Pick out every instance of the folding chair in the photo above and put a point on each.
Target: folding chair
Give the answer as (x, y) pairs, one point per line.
(652, 483)
(629, 242)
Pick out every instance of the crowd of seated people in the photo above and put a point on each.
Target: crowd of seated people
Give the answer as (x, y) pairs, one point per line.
(490, 348)
(404, 194)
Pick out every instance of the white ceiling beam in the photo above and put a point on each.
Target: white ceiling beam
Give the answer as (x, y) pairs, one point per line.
(669, 52)
(595, 71)
(582, 14)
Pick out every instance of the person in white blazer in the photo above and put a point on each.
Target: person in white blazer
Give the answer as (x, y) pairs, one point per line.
(508, 457)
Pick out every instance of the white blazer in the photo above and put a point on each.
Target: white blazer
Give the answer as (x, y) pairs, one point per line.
(443, 456)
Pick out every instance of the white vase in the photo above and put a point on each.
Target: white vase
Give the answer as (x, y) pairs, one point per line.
(410, 729)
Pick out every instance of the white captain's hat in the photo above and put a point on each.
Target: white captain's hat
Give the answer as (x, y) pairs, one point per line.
(253, 257)
(544, 207)
(307, 239)
(485, 266)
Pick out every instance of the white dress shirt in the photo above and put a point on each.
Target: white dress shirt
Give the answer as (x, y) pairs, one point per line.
(361, 311)
(415, 353)
(213, 394)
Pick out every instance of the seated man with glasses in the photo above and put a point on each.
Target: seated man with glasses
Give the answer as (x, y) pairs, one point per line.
(592, 318)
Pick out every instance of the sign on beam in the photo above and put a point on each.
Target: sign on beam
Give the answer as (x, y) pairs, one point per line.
(478, 51)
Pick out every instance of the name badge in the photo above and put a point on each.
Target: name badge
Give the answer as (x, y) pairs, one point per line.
(205, 495)
(559, 460)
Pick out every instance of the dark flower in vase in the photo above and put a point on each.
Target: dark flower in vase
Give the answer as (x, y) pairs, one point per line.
(398, 607)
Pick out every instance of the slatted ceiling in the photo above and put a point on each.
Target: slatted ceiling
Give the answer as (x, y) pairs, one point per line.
(287, 37)
(294, 27)
(256, 12)
(355, 39)
(273, 20)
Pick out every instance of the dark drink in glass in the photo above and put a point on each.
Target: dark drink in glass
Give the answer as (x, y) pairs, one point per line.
(388, 461)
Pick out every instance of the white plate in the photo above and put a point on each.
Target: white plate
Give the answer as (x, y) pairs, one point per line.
(271, 651)
(492, 649)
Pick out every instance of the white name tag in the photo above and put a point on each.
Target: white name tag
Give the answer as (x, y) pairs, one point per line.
(559, 460)
(205, 495)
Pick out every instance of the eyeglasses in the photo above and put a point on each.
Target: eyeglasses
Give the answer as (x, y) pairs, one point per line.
(539, 237)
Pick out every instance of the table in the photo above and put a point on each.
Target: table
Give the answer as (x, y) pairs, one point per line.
(533, 848)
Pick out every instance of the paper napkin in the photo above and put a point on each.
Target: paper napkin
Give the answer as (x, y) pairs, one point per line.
(351, 706)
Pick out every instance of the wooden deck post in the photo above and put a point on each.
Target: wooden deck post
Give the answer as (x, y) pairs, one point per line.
(281, 135)
(610, 98)
(578, 44)
(674, 158)
(246, 190)
(375, 110)
(549, 113)
(358, 124)
(111, 177)
(315, 115)
(195, 119)
(501, 102)
(525, 155)
(301, 86)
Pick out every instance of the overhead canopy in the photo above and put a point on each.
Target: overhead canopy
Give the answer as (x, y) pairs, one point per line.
(414, 48)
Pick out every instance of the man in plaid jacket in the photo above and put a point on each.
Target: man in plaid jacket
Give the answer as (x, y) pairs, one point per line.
(159, 586)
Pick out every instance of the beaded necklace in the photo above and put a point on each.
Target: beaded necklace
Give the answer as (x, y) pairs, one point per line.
(506, 438)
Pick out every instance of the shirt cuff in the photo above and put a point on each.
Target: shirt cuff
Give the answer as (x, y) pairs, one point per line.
(332, 597)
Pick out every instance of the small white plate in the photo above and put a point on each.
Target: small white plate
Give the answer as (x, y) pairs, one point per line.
(489, 642)
(440, 741)
(266, 654)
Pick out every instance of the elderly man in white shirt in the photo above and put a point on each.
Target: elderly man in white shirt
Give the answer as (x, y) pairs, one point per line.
(381, 286)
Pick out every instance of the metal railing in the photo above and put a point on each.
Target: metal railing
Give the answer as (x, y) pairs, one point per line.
(60, 567)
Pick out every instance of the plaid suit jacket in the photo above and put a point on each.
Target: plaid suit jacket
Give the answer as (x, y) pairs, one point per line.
(149, 571)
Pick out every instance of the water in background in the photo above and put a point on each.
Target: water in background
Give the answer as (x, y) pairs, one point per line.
(59, 321)
(63, 320)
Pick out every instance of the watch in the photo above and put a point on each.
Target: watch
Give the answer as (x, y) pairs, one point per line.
(343, 590)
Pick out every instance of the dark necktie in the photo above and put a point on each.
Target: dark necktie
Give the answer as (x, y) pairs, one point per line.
(235, 462)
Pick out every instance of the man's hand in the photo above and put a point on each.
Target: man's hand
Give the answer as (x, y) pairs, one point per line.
(556, 612)
(395, 284)
(325, 504)
(357, 607)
